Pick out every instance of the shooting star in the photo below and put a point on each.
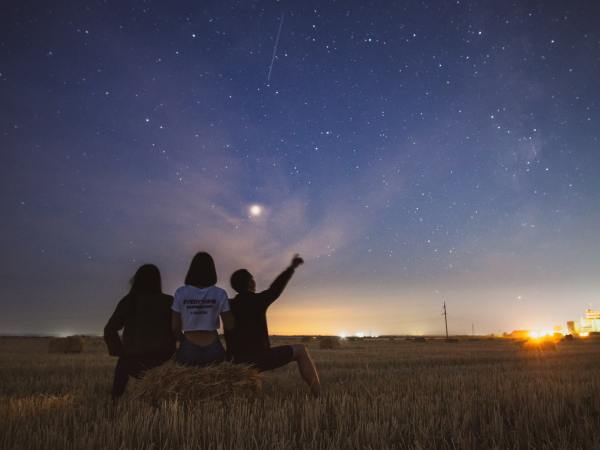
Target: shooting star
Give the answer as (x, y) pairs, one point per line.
(275, 48)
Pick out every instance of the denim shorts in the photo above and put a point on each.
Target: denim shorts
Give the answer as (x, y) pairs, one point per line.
(191, 354)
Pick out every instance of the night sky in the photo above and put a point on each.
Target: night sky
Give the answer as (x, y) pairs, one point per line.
(412, 152)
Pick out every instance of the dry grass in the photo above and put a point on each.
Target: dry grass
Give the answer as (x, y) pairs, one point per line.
(540, 345)
(172, 381)
(377, 394)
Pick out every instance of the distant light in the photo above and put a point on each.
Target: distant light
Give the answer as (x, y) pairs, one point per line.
(343, 335)
(360, 334)
(534, 334)
(541, 334)
(255, 210)
(64, 333)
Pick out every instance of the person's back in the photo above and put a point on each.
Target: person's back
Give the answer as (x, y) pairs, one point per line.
(200, 307)
(147, 328)
(250, 336)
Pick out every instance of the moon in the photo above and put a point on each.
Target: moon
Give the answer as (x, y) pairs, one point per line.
(255, 210)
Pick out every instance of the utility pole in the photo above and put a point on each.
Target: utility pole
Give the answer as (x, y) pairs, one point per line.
(445, 314)
(472, 329)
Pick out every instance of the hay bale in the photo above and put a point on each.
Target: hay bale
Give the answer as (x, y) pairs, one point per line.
(194, 384)
(69, 344)
(329, 342)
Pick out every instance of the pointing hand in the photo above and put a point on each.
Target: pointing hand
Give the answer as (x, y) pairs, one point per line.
(296, 261)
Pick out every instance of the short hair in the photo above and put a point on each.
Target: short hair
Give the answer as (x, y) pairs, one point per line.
(146, 280)
(240, 279)
(202, 272)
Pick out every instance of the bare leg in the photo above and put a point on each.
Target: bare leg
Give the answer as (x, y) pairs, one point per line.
(307, 368)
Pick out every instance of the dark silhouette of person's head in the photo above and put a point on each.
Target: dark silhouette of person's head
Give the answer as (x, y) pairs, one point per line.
(242, 281)
(146, 280)
(202, 272)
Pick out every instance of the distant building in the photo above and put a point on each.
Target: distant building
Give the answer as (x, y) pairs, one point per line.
(571, 327)
(591, 322)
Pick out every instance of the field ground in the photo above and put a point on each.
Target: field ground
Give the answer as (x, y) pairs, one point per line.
(474, 394)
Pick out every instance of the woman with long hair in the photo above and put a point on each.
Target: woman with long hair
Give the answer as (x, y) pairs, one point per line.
(197, 308)
(144, 316)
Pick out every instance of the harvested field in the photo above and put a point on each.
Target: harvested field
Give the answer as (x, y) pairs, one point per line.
(376, 394)
(69, 344)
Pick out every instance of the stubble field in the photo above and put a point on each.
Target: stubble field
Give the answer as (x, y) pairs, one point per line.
(470, 394)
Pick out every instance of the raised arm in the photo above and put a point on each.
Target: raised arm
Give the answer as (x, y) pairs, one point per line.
(277, 287)
(116, 323)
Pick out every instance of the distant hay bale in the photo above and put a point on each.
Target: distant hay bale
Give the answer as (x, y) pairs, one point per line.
(329, 342)
(69, 344)
(193, 384)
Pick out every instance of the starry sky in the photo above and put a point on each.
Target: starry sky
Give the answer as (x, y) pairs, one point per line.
(412, 152)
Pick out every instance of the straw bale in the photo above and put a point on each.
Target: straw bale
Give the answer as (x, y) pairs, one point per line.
(193, 384)
(69, 344)
(329, 342)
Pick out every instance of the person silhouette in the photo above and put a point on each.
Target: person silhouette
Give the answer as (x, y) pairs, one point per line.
(144, 315)
(249, 342)
(196, 310)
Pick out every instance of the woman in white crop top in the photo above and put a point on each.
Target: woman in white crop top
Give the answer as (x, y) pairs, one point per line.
(198, 307)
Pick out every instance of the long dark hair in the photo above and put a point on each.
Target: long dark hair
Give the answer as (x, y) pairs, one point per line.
(146, 280)
(202, 272)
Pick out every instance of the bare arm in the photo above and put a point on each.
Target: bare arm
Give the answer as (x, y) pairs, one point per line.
(277, 287)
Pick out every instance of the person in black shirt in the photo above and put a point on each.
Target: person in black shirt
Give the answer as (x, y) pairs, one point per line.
(144, 314)
(248, 342)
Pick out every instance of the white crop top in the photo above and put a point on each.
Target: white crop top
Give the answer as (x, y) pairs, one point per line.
(200, 308)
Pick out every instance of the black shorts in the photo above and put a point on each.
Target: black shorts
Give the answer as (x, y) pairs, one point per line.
(270, 359)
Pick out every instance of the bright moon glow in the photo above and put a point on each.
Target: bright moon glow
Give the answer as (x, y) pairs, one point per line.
(256, 210)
